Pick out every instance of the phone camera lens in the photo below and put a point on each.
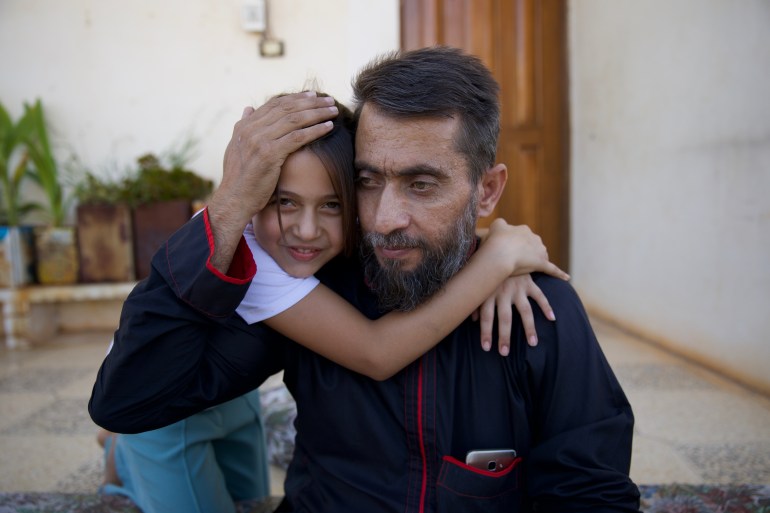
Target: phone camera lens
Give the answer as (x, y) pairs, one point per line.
(492, 466)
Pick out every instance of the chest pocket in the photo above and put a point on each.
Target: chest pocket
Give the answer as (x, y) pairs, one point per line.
(461, 488)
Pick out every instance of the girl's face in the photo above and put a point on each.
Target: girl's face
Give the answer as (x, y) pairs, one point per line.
(311, 215)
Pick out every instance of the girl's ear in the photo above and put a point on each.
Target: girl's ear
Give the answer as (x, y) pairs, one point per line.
(491, 188)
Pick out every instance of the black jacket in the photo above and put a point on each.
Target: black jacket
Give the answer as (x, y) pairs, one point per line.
(363, 445)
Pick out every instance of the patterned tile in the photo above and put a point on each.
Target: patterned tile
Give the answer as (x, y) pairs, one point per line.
(18, 406)
(42, 379)
(659, 377)
(39, 461)
(63, 417)
(747, 463)
(13, 360)
(658, 461)
(86, 479)
(699, 417)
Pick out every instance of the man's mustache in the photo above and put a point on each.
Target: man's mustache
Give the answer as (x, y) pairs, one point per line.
(394, 240)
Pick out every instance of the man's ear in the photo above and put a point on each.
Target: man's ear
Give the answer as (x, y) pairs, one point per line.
(491, 188)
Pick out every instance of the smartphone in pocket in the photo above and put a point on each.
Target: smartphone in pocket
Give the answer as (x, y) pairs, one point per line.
(491, 460)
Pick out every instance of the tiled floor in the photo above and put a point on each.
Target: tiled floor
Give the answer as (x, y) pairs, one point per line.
(691, 425)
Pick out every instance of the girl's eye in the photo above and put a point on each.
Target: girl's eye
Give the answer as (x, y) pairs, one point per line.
(333, 205)
(285, 202)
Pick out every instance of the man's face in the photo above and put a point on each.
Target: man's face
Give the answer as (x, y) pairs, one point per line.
(416, 205)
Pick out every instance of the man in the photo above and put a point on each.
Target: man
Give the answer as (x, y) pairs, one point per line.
(425, 145)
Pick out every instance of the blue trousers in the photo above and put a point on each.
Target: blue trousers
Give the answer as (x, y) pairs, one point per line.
(201, 464)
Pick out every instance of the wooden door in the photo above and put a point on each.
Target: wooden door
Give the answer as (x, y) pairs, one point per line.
(523, 42)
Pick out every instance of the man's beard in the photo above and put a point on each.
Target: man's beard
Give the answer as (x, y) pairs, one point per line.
(405, 290)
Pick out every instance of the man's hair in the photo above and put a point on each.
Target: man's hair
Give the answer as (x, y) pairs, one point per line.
(437, 81)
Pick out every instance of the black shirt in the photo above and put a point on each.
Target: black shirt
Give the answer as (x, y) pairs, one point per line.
(397, 445)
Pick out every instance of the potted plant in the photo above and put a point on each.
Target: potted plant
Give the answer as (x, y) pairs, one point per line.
(16, 243)
(162, 197)
(105, 243)
(55, 243)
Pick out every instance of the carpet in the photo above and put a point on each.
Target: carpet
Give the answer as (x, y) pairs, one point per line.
(56, 502)
(674, 498)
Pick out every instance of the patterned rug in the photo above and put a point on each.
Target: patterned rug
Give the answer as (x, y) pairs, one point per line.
(92, 503)
(705, 499)
(655, 499)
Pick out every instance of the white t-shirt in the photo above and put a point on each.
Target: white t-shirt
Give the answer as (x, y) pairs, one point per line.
(272, 290)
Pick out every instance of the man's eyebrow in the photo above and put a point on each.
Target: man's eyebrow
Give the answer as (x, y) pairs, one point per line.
(419, 169)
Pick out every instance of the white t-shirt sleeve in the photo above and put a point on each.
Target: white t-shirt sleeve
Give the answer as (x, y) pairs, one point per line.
(272, 290)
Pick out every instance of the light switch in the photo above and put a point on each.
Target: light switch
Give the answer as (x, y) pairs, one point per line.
(253, 15)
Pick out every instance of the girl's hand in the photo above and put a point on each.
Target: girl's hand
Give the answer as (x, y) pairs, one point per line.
(525, 252)
(519, 248)
(515, 290)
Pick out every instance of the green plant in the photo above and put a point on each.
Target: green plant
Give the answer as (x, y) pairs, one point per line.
(92, 190)
(110, 187)
(14, 160)
(45, 170)
(156, 182)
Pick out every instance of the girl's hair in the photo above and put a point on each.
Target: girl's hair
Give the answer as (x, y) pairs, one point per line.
(335, 150)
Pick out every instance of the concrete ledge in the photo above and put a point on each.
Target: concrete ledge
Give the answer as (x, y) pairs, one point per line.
(18, 302)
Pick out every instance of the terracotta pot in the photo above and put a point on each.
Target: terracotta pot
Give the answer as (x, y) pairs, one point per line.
(56, 250)
(153, 224)
(104, 243)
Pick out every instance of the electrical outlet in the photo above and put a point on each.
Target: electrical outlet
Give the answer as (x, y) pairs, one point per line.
(271, 47)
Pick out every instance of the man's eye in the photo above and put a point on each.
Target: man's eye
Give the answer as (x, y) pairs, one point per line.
(365, 182)
(422, 186)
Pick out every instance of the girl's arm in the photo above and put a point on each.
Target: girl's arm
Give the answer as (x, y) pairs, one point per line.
(330, 326)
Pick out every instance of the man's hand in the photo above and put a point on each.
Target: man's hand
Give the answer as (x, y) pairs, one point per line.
(261, 142)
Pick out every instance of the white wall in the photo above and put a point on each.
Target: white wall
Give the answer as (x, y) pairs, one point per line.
(123, 78)
(670, 130)
(670, 114)
(119, 79)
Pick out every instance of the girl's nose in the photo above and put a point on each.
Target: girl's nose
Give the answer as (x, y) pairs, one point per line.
(308, 227)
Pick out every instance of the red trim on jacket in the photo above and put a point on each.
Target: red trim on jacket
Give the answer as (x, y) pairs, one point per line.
(501, 473)
(242, 268)
(424, 487)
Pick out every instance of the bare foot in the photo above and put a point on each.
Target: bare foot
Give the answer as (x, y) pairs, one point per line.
(102, 436)
(110, 471)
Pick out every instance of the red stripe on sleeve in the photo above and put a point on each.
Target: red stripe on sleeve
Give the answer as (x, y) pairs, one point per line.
(242, 268)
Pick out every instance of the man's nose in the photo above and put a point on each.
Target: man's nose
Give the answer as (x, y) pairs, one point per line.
(391, 213)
